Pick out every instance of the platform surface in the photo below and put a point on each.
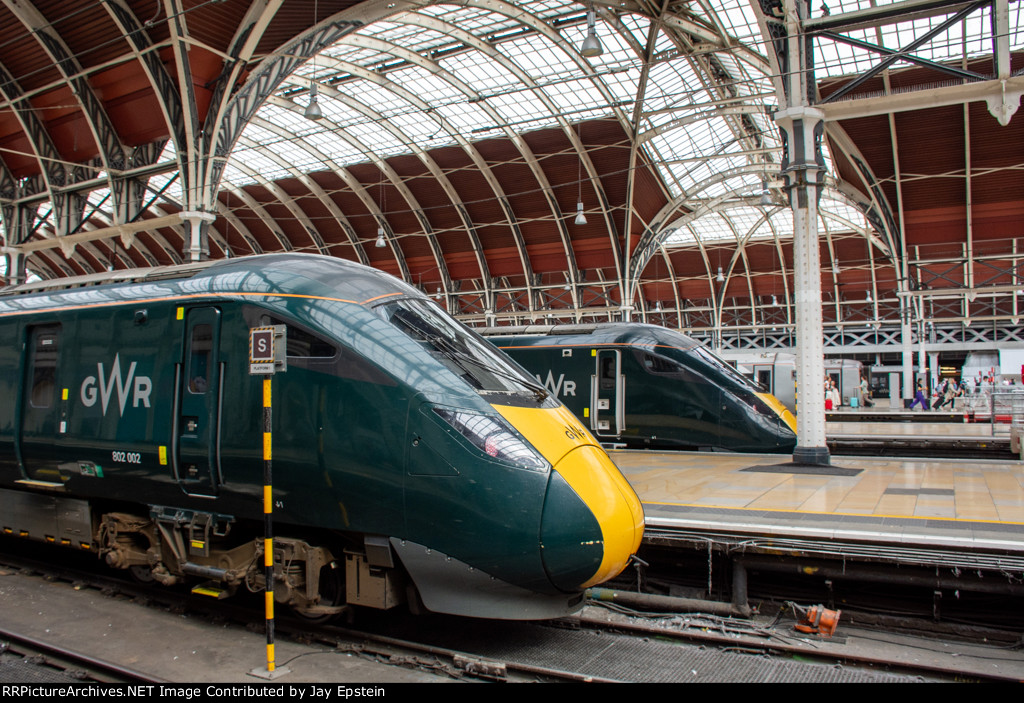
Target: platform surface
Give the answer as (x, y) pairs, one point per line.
(940, 504)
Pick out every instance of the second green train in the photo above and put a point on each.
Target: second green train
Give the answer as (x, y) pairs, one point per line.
(644, 386)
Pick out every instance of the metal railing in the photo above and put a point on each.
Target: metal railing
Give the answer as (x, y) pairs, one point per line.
(1002, 410)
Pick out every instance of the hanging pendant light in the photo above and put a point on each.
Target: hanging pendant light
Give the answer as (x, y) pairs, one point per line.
(581, 219)
(766, 195)
(313, 111)
(591, 45)
(721, 276)
(381, 242)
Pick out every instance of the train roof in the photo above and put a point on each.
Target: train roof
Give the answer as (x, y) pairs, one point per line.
(311, 275)
(632, 333)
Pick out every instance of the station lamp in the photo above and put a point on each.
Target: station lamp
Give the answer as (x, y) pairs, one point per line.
(591, 45)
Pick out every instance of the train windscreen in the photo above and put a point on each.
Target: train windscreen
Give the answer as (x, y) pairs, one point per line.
(468, 356)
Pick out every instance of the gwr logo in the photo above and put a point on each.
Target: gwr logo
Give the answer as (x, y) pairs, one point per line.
(559, 387)
(139, 386)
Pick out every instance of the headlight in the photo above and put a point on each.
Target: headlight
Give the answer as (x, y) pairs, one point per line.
(496, 438)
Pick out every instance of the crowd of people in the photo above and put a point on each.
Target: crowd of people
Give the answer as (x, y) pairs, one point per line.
(948, 390)
(944, 395)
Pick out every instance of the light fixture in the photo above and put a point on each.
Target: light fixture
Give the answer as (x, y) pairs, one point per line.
(835, 267)
(313, 111)
(766, 195)
(438, 295)
(775, 302)
(657, 306)
(381, 242)
(581, 219)
(591, 45)
(721, 276)
(868, 299)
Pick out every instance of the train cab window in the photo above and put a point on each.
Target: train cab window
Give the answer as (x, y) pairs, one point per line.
(659, 364)
(199, 359)
(309, 350)
(45, 345)
(302, 344)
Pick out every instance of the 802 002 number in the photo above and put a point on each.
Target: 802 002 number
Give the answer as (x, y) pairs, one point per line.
(126, 457)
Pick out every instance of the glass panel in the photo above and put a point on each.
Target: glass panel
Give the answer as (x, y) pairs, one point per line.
(44, 367)
(200, 347)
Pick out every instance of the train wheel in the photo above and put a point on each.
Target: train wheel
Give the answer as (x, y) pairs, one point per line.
(142, 574)
(332, 593)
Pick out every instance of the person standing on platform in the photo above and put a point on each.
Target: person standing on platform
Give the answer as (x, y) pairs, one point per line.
(949, 394)
(865, 393)
(835, 395)
(920, 397)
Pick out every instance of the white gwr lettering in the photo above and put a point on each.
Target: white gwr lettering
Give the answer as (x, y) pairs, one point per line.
(139, 386)
(559, 387)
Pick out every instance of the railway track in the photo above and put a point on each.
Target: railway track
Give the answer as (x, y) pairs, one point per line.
(600, 645)
(30, 659)
(923, 448)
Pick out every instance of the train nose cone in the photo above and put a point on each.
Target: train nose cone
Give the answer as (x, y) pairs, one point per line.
(592, 522)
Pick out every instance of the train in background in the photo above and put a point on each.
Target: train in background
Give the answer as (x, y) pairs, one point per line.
(412, 462)
(643, 386)
(775, 372)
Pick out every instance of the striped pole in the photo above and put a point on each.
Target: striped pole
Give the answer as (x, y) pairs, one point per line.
(268, 524)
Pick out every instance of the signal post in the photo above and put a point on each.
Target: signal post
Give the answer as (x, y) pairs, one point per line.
(267, 347)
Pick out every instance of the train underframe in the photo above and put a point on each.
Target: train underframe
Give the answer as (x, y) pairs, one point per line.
(217, 556)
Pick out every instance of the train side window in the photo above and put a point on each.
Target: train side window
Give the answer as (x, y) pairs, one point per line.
(199, 359)
(607, 373)
(45, 346)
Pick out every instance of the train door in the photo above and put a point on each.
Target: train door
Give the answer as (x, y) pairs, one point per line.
(764, 378)
(42, 408)
(606, 399)
(198, 404)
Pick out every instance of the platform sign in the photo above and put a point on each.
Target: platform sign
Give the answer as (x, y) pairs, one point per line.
(267, 350)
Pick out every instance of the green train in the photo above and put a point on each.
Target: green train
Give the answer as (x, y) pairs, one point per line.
(644, 386)
(412, 462)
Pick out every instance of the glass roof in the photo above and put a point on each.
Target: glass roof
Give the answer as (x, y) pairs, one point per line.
(448, 74)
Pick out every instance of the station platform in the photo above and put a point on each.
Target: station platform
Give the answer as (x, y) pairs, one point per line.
(928, 512)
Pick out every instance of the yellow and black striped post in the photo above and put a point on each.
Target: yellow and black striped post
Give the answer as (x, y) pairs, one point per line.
(268, 515)
(266, 356)
(268, 533)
